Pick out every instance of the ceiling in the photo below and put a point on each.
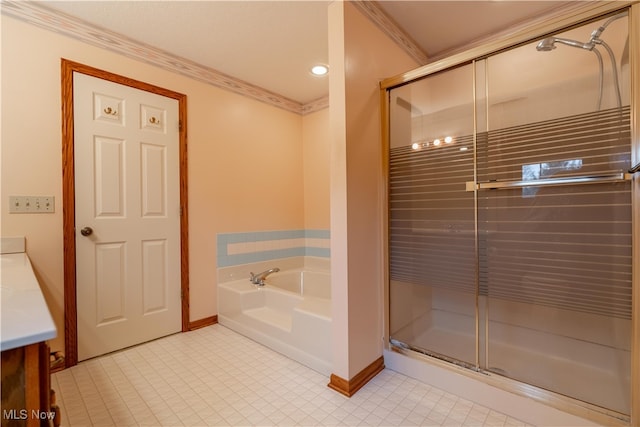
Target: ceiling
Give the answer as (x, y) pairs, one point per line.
(273, 44)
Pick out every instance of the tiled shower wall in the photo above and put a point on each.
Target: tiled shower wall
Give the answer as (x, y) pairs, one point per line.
(245, 248)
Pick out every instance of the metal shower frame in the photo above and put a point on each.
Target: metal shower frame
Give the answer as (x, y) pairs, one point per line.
(576, 15)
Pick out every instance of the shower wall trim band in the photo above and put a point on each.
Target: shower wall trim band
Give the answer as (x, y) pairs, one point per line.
(249, 247)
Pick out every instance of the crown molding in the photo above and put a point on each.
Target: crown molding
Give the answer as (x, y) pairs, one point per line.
(316, 105)
(371, 10)
(61, 23)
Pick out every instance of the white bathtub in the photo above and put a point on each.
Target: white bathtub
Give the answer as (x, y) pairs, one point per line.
(290, 314)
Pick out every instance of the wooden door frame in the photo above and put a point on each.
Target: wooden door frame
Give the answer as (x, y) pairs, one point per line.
(68, 196)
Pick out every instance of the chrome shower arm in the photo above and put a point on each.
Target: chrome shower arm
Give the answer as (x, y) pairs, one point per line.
(595, 35)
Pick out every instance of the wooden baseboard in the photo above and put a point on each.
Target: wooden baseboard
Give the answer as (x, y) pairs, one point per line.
(201, 323)
(58, 368)
(350, 387)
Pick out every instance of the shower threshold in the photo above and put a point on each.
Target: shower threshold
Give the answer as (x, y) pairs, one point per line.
(528, 367)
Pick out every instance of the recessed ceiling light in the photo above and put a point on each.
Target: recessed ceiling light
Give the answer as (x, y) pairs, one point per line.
(319, 70)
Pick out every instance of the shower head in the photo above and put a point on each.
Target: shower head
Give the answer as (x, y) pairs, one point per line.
(549, 43)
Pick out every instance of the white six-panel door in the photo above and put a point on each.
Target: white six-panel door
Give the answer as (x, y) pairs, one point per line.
(127, 215)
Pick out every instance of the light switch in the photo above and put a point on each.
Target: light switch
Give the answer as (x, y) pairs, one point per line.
(31, 204)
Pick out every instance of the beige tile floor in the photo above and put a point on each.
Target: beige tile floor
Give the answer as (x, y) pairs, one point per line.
(216, 377)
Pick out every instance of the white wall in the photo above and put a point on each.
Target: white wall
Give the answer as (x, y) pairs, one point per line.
(316, 154)
(360, 56)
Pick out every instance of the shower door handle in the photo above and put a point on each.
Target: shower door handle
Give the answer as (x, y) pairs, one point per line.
(589, 179)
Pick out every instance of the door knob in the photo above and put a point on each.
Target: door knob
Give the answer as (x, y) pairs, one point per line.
(86, 231)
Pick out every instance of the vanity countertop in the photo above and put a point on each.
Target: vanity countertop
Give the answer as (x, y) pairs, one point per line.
(24, 315)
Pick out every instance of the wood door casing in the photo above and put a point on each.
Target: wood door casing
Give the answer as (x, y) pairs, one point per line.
(68, 194)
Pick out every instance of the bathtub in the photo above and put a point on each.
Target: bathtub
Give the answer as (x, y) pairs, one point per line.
(290, 314)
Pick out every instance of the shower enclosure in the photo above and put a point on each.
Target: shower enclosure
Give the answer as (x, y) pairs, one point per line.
(510, 214)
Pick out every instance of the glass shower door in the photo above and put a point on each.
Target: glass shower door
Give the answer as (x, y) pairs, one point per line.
(554, 218)
(433, 289)
(510, 226)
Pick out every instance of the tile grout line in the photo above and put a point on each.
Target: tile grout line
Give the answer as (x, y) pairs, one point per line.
(214, 376)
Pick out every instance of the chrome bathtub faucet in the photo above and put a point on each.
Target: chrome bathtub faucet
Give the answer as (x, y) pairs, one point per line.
(258, 279)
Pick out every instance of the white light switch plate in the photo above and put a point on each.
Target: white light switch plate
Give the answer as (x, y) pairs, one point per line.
(31, 204)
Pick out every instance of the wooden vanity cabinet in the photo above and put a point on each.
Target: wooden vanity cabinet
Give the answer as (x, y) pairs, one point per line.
(26, 386)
